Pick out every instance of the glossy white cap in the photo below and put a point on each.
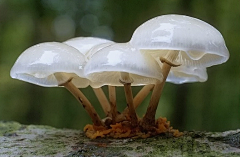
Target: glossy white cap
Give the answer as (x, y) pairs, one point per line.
(84, 44)
(198, 43)
(50, 64)
(105, 66)
(186, 74)
(95, 49)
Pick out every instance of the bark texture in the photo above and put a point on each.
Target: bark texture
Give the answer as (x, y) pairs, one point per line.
(36, 140)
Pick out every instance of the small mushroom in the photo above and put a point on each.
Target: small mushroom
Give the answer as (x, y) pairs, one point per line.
(122, 65)
(96, 48)
(187, 74)
(85, 46)
(86, 43)
(53, 64)
(178, 40)
(111, 89)
(141, 95)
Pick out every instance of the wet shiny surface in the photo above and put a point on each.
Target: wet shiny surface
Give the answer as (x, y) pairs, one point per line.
(186, 74)
(105, 66)
(38, 63)
(84, 44)
(195, 38)
(95, 49)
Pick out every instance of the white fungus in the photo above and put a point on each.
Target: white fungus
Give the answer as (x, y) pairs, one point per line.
(50, 64)
(105, 66)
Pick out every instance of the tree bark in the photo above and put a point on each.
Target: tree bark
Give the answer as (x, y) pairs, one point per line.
(37, 140)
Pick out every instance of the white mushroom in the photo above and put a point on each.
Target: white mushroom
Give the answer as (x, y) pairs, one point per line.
(178, 40)
(141, 95)
(39, 63)
(187, 74)
(54, 64)
(197, 42)
(109, 64)
(85, 43)
(96, 48)
(122, 65)
(85, 46)
(111, 89)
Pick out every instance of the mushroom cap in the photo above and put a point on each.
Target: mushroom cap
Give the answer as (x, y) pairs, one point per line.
(95, 49)
(84, 44)
(199, 43)
(186, 74)
(105, 66)
(50, 64)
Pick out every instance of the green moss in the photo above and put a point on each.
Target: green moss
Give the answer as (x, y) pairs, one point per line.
(32, 140)
(9, 128)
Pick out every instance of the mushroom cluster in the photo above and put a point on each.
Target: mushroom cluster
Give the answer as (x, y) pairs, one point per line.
(172, 48)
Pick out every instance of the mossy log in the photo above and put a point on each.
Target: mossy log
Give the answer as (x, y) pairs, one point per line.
(37, 140)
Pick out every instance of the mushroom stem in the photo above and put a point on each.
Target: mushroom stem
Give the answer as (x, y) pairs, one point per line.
(113, 102)
(129, 98)
(103, 100)
(168, 61)
(137, 100)
(84, 101)
(149, 118)
(141, 95)
(126, 81)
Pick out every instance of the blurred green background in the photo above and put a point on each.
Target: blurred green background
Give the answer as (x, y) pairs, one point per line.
(213, 105)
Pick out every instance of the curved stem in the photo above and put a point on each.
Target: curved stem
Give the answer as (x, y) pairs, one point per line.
(149, 118)
(103, 100)
(129, 98)
(113, 102)
(84, 101)
(142, 94)
(137, 100)
(126, 81)
(168, 61)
